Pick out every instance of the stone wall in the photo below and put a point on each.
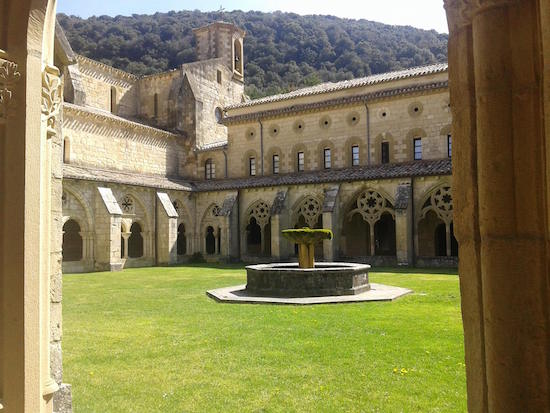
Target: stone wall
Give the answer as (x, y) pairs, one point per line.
(211, 96)
(339, 128)
(98, 79)
(104, 141)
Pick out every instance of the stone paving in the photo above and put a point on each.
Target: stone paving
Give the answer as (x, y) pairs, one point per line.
(238, 295)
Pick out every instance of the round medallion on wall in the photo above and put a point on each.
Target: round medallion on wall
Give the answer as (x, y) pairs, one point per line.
(274, 130)
(353, 118)
(250, 133)
(325, 122)
(383, 113)
(415, 109)
(298, 126)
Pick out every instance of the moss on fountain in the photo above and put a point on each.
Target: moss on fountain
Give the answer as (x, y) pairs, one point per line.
(306, 238)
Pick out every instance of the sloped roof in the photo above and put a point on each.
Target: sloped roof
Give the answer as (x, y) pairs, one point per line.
(363, 173)
(348, 84)
(126, 178)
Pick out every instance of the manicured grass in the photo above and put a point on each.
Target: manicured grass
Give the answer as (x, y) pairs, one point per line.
(150, 340)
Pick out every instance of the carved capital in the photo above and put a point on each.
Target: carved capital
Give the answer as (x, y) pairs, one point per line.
(52, 97)
(460, 13)
(9, 75)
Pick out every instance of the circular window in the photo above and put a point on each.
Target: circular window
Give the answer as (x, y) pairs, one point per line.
(219, 115)
(299, 126)
(383, 113)
(353, 118)
(415, 108)
(325, 122)
(274, 130)
(250, 133)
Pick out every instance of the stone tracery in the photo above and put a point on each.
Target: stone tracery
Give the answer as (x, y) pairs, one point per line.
(261, 212)
(371, 205)
(127, 204)
(310, 209)
(441, 202)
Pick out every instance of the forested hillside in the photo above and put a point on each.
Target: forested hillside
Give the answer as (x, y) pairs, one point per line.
(283, 51)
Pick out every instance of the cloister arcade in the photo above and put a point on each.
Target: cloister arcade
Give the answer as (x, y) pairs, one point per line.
(364, 224)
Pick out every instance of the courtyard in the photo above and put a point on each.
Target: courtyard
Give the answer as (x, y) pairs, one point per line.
(149, 339)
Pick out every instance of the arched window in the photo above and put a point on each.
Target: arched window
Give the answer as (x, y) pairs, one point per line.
(72, 241)
(182, 240)
(209, 169)
(66, 150)
(113, 99)
(135, 241)
(210, 241)
(238, 55)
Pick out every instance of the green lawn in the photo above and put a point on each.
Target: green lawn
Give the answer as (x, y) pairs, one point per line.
(150, 340)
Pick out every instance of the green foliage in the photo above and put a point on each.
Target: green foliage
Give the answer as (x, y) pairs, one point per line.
(283, 51)
(150, 340)
(307, 235)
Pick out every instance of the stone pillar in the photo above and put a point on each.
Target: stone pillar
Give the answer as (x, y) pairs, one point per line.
(328, 245)
(330, 221)
(372, 239)
(30, 223)
(501, 181)
(125, 236)
(275, 237)
(448, 238)
(108, 218)
(167, 230)
(262, 238)
(403, 225)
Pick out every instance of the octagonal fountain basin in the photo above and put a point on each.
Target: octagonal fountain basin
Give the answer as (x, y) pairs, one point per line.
(289, 280)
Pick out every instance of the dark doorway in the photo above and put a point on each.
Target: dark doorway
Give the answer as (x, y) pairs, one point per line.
(182, 240)
(384, 235)
(135, 241)
(72, 241)
(253, 238)
(210, 241)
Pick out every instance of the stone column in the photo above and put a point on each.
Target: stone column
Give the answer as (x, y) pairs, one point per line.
(328, 245)
(125, 236)
(448, 238)
(275, 237)
(500, 188)
(262, 239)
(167, 230)
(372, 240)
(404, 224)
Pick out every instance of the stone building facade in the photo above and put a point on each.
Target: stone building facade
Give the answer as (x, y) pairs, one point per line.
(161, 167)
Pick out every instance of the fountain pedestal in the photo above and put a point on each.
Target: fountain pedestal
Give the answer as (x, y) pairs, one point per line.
(289, 280)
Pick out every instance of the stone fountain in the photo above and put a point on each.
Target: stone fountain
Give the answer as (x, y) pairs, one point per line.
(305, 278)
(307, 282)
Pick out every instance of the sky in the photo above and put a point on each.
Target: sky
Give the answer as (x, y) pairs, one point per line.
(424, 14)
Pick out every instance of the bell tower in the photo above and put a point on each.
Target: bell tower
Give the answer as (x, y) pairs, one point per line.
(225, 41)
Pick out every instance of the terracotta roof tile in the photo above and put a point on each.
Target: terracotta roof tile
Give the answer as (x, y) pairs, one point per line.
(364, 173)
(347, 84)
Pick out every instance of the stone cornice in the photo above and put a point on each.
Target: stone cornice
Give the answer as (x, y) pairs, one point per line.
(100, 116)
(332, 103)
(116, 76)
